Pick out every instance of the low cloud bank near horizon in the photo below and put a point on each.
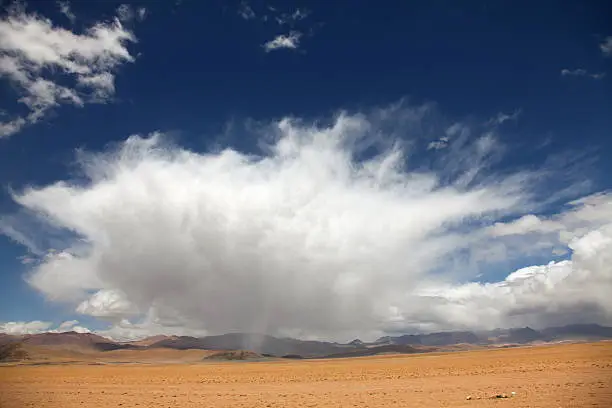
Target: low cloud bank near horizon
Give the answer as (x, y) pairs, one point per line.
(38, 326)
(317, 236)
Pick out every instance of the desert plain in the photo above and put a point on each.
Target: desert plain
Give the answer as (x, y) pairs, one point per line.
(563, 375)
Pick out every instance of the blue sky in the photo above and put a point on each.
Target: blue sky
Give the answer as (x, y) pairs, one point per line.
(497, 90)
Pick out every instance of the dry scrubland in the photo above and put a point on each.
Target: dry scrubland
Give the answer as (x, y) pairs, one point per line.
(576, 375)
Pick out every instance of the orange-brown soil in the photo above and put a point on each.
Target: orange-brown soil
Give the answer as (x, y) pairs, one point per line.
(569, 375)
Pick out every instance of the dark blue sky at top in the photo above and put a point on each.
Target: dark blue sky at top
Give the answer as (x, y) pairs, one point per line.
(200, 65)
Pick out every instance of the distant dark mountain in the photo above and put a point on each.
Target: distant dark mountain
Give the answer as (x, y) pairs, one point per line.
(293, 348)
(413, 339)
(522, 335)
(432, 339)
(578, 332)
(259, 343)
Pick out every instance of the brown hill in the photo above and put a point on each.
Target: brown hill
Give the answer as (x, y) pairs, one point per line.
(12, 352)
(72, 340)
(63, 355)
(8, 338)
(149, 341)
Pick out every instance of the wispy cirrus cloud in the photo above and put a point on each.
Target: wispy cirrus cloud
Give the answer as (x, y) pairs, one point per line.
(606, 46)
(292, 39)
(64, 7)
(127, 14)
(582, 72)
(272, 14)
(285, 20)
(502, 117)
(291, 18)
(49, 66)
(245, 11)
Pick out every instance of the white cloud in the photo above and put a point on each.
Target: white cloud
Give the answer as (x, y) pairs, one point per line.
(127, 14)
(150, 325)
(19, 328)
(456, 129)
(525, 224)
(307, 238)
(501, 117)
(287, 41)
(64, 7)
(67, 325)
(555, 294)
(71, 325)
(107, 303)
(290, 40)
(245, 11)
(59, 275)
(122, 330)
(34, 53)
(12, 127)
(583, 215)
(532, 234)
(606, 46)
(441, 143)
(141, 13)
(291, 18)
(578, 72)
(581, 72)
(37, 326)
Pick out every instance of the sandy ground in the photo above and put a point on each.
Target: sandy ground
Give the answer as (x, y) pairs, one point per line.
(578, 375)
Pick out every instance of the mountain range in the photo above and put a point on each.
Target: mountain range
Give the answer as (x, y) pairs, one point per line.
(293, 348)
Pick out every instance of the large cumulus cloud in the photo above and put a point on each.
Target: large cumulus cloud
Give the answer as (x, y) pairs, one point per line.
(333, 229)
